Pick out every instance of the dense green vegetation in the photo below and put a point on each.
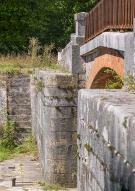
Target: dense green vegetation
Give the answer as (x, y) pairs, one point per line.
(49, 21)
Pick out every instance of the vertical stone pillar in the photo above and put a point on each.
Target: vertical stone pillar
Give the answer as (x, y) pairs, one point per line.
(80, 23)
(55, 119)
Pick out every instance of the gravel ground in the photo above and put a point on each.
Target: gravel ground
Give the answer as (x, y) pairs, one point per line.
(27, 172)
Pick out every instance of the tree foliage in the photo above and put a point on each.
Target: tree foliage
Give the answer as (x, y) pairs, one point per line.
(49, 21)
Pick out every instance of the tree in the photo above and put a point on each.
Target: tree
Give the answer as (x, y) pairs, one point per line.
(50, 22)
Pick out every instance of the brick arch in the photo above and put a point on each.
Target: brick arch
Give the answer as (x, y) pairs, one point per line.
(106, 59)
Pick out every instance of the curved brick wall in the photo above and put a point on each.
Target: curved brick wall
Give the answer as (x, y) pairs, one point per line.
(107, 58)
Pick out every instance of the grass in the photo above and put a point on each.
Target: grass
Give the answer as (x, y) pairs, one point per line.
(49, 187)
(25, 64)
(37, 57)
(27, 147)
(5, 154)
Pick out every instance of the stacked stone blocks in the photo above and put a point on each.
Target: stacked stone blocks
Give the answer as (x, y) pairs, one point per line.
(106, 160)
(15, 101)
(54, 123)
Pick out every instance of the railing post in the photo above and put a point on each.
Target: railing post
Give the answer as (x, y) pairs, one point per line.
(134, 25)
(134, 47)
(80, 23)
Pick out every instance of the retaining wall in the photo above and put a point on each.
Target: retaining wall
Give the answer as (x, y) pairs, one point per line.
(15, 101)
(54, 118)
(106, 141)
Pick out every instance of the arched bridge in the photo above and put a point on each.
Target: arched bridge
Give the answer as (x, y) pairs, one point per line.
(106, 58)
(109, 50)
(103, 40)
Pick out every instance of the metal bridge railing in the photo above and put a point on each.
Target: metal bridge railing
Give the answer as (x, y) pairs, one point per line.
(109, 15)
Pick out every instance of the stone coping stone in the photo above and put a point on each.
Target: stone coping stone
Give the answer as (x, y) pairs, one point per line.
(117, 98)
(113, 110)
(57, 79)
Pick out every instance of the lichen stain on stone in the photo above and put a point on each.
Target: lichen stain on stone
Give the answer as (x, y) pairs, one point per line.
(125, 122)
(105, 133)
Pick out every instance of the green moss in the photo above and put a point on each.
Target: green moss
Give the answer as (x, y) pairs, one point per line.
(88, 148)
(39, 85)
(104, 98)
(110, 147)
(125, 122)
(113, 179)
(90, 127)
(69, 98)
(78, 136)
(58, 108)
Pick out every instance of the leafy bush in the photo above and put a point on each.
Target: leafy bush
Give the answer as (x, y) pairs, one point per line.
(8, 139)
(115, 81)
(130, 82)
(28, 146)
(49, 187)
(8, 142)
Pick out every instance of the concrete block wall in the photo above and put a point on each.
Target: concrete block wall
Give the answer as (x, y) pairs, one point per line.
(69, 55)
(19, 102)
(106, 141)
(54, 116)
(15, 101)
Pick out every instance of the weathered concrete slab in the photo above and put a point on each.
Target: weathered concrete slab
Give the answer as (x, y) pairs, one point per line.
(106, 140)
(26, 171)
(114, 40)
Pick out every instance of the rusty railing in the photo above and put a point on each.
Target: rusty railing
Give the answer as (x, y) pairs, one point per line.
(109, 15)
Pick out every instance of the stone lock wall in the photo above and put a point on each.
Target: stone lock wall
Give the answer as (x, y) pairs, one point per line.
(54, 115)
(19, 102)
(15, 101)
(106, 141)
